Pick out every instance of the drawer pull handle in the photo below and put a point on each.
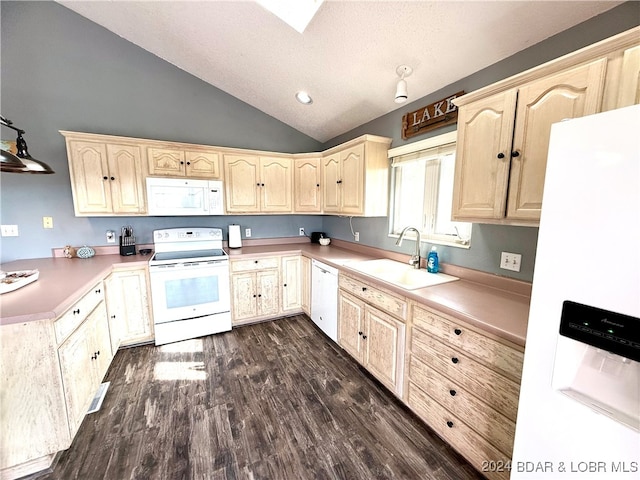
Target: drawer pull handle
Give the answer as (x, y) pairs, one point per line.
(450, 424)
(457, 331)
(452, 393)
(76, 312)
(455, 360)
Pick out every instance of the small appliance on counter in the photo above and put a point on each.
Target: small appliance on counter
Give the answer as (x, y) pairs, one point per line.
(235, 241)
(316, 236)
(127, 241)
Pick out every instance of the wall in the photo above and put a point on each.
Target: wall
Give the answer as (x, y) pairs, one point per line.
(487, 240)
(63, 72)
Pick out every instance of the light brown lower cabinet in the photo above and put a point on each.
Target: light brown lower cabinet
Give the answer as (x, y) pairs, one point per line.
(465, 385)
(374, 338)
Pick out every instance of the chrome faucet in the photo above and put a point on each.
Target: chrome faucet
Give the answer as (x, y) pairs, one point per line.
(415, 258)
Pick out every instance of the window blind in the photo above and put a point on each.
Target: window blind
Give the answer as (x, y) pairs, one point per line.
(427, 154)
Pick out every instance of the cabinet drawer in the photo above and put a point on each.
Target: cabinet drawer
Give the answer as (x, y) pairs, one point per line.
(254, 264)
(73, 317)
(461, 437)
(502, 357)
(490, 424)
(386, 301)
(496, 390)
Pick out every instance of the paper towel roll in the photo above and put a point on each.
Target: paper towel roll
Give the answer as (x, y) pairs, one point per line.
(235, 241)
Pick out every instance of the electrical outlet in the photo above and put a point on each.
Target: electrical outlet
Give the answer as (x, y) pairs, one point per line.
(356, 236)
(247, 232)
(510, 261)
(111, 236)
(301, 231)
(47, 222)
(9, 230)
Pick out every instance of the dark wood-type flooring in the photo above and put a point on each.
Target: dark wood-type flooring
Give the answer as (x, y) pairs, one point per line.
(274, 400)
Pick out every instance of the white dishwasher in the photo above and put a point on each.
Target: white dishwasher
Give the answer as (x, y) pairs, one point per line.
(324, 298)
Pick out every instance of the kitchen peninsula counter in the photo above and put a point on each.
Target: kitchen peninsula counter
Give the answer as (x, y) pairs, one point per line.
(497, 305)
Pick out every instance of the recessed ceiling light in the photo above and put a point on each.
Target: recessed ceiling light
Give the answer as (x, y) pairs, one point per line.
(304, 98)
(295, 13)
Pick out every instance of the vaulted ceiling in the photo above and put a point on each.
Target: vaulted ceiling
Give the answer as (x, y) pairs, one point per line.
(346, 58)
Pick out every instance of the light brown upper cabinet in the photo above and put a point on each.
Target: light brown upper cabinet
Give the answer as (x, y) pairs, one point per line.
(258, 184)
(503, 142)
(176, 162)
(307, 178)
(504, 128)
(106, 178)
(355, 177)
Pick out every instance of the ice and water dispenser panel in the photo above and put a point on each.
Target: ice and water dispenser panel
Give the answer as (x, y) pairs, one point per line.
(597, 361)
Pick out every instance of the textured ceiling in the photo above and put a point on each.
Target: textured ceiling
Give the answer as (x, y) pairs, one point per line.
(346, 58)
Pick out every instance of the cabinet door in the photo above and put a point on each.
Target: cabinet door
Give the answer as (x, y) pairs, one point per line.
(330, 186)
(241, 173)
(485, 130)
(352, 180)
(244, 296)
(202, 164)
(306, 181)
(629, 92)
(90, 177)
(165, 161)
(383, 348)
(99, 344)
(291, 299)
(268, 284)
(128, 308)
(305, 284)
(126, 179)
(350, 324)
(571, 94)
(276, 184)
(77, 375)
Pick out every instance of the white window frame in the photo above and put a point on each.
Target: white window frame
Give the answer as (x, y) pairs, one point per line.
(430, 147)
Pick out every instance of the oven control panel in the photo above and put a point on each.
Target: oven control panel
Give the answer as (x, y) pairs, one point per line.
(187, 234)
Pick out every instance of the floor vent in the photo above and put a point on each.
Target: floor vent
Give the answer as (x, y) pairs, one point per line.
(96, 403)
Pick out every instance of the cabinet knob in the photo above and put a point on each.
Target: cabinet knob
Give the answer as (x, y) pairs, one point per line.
(501, 155)
(515, 154)
(262, 184)
(98, 290)
(259, 295)
(364, 289)
(317, 184)
(339, 181)
(254, 295)
(181, 162)
(255, 261)
(457, 331)
(452, 393)
(76, 312)
(364, 337)
(93, 357)
(258, 184)
(285, 285)
(360, 333)
(105, 178)
(450, 424)
(455, 360)
(113, 316)
(188, 163)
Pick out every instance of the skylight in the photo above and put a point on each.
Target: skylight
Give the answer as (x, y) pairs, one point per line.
(295, 13)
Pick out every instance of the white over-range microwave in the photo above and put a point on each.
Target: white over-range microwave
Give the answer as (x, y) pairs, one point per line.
(174, 196)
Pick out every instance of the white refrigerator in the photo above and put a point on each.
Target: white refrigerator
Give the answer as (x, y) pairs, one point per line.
(579, 404)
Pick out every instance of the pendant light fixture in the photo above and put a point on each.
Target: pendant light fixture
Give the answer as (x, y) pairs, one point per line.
(401, 89)
(22, 161)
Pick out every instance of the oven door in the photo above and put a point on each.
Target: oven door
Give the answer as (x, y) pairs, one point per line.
(186, 290)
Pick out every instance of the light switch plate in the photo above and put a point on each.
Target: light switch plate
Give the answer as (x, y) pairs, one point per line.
(510, 261)
(9, 230)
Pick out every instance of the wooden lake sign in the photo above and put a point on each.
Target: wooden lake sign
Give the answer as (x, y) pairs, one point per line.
(436, 115)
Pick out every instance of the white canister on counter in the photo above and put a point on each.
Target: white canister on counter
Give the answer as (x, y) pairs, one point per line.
(235, 241)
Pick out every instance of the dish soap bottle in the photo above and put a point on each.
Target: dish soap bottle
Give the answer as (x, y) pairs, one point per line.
(432, 260)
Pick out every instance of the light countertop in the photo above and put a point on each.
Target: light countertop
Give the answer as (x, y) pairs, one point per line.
(483, 300)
